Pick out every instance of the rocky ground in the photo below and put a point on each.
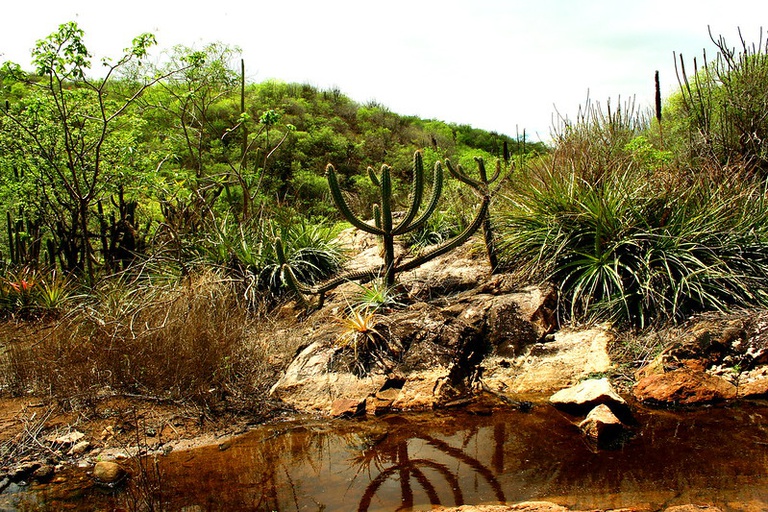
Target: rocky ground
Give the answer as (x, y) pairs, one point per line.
(459, 334)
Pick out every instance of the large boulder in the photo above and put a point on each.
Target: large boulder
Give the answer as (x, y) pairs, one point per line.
(428, 359)
(428, 353)
(683, 387)
(309, 386)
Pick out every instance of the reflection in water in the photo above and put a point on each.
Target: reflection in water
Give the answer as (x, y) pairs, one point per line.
(410, 462)
(405, 468)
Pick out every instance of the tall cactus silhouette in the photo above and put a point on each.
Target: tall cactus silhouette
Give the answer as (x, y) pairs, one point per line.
(483, 187)
(385, 227)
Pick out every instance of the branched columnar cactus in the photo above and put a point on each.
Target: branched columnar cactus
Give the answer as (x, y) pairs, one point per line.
(483, 188)
(385, 227)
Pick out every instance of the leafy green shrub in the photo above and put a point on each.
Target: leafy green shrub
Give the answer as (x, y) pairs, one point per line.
(719, 112)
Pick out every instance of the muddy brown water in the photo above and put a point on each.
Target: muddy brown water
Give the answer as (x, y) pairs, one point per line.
(716, 456)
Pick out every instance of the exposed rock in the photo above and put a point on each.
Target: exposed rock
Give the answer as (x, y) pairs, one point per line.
(683, 387)
(308, 385)
(425, 390)
(716, 343)
(66, 439)
(754, 389)
(526, 506)
(601, 426)
(108, 472)
(346, 407)
(550, 366)
(587, 395)
(23, 470)
(435, 353)
(382, 401)
(79, 448)
(459, 270)
(510, 321)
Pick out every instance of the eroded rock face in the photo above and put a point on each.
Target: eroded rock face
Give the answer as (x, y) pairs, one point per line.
(587, 395)
(548, 366)
(683, 387)
(757, 388)
(716, 344)
(432, 349)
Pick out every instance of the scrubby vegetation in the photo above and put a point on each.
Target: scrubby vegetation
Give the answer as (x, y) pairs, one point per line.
(137, 193)
(643, 219)
(143, 209)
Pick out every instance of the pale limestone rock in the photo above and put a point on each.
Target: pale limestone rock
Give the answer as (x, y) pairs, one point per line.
(547, 367)
(586, 395)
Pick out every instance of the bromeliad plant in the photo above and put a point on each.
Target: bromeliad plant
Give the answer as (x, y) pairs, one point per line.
(385, 227)
(29, 292)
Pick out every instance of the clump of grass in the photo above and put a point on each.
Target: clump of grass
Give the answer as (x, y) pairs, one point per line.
(633, 240)
(190, 342)
(248, 253)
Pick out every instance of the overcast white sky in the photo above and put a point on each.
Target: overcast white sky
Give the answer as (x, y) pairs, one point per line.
(500, 65)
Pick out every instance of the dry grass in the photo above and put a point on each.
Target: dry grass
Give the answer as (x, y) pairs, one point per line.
(191, 343)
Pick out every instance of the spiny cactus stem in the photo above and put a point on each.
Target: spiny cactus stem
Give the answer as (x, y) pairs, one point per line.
(451, 244)
(490, 244)
(386, 199)
(374, 179)
(299, 289)
(416, 194)
(481, 169)
(460, 175)
(377, 215)
(342, 205)
(437, 190)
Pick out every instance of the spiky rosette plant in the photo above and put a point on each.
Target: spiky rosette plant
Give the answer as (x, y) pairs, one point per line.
(482, 187)
(387, 229)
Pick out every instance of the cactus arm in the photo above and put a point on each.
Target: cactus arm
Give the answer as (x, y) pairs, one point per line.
(386, 199)
(437, 190)
(377, 215)
(361, 276)
(481, 170)
(387, 238)
(342, 205)
(460, 175)
(372, 176)
(496, 173)
(450, 244)
(416, 195)
(299, 289)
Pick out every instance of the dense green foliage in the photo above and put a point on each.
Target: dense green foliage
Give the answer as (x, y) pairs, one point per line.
(182, 160)
(180, 164)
